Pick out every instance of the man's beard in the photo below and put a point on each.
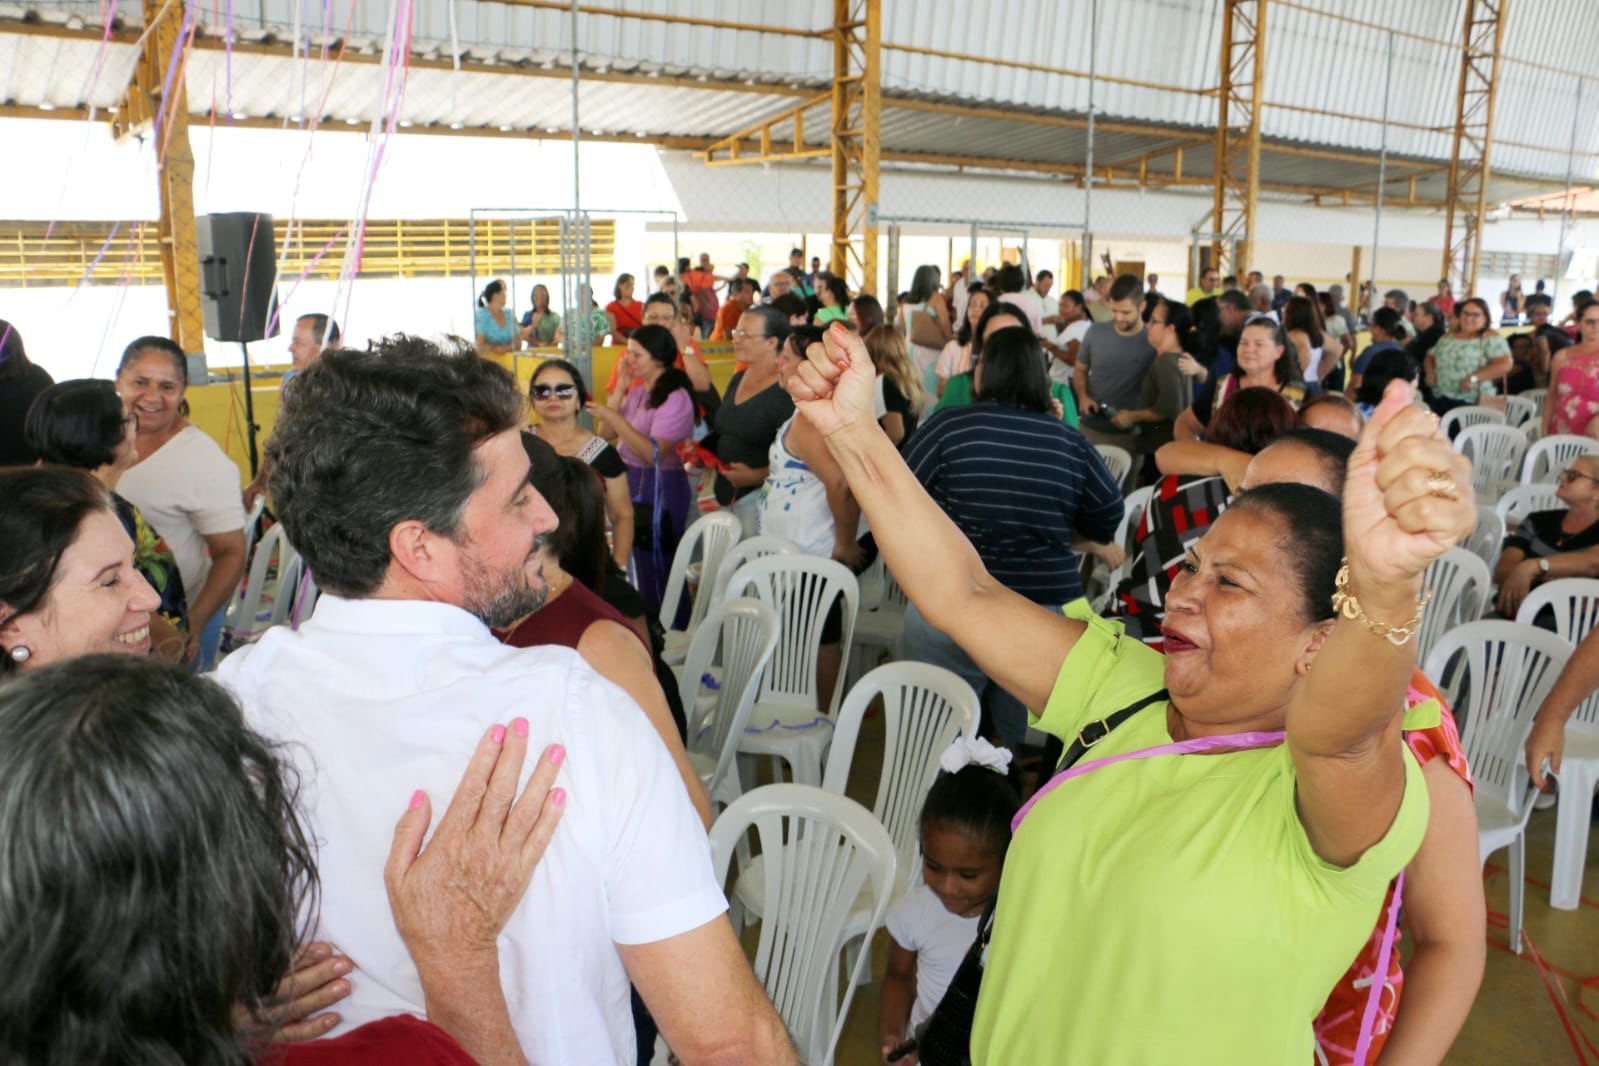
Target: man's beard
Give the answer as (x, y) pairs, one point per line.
(501, 599)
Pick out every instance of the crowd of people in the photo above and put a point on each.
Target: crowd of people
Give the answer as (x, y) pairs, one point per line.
(229, 854)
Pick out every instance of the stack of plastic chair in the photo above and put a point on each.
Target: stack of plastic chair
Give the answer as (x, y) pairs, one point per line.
(792, 721)
(1574, 604)
(1498, 676)
(820, 851)
(710, 537)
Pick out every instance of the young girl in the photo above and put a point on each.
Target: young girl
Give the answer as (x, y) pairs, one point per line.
(965, 830)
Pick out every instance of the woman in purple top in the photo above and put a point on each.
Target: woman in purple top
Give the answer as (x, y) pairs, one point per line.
(648, 422)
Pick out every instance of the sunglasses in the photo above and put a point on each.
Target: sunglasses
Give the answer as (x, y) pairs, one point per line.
(560, 392)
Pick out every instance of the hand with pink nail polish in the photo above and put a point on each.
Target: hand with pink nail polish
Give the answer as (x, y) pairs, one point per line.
(452, 898)
(315, 981)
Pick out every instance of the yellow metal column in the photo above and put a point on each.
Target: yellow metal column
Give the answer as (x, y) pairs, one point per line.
(857, 149)
(1237, 167)
(135, 116)
(1467, 199)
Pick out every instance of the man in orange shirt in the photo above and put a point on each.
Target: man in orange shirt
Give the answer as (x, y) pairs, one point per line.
(739, 300)
(702, 282)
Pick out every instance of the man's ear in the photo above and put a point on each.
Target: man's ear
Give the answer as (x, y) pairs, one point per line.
(415, 550)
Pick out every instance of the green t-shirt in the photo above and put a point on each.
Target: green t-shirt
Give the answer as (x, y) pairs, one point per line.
(958, 393)
(1170, 909)
(831, 314)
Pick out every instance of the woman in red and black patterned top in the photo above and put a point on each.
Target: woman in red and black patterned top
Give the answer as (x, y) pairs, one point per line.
(1183, 506)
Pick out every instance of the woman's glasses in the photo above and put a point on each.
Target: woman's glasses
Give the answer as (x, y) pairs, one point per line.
(560, 392)
(1568, 476)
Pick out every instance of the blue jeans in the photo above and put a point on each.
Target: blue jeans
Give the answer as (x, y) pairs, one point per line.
(211, 640)
(925, 644)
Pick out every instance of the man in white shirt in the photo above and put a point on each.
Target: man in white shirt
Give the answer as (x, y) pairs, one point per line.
(400, 476)
(1012, 283)
(1043, 283)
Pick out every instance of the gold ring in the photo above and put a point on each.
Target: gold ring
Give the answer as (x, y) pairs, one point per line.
(1441, 483)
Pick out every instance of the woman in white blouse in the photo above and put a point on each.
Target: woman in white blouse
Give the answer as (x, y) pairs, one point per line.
(186, 487)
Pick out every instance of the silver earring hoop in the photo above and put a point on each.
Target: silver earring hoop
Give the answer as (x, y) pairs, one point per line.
(20, 654)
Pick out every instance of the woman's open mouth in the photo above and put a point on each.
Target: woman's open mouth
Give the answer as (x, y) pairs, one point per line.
(1176, 643)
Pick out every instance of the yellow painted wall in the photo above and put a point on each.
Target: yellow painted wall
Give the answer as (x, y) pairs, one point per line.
(218, 408)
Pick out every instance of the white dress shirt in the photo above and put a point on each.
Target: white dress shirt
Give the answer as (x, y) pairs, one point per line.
(377, 698)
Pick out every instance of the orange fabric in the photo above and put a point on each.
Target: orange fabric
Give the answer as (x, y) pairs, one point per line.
(628, 316)
(1338, 1028)
(699, 279)
(727, 321)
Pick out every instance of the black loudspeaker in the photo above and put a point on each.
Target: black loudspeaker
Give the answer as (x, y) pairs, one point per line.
(238, 275)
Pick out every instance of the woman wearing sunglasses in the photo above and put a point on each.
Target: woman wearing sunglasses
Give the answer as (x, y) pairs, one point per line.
(558, 393)
(1552, 544)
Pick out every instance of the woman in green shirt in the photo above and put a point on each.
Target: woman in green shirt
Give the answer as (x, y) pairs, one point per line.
(1463, 365)
(539, 325)
(834, 294)
(1191, 908)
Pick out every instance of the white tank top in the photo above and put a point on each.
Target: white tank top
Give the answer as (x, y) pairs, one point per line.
(794, 500)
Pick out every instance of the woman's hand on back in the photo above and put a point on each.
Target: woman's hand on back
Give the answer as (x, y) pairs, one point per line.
(452, 898)
(833, 388)
(1408, 498)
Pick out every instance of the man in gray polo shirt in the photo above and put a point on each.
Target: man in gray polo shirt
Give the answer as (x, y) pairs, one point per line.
(1111, 365)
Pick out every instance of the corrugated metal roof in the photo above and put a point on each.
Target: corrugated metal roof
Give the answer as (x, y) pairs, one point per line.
(1329, 72)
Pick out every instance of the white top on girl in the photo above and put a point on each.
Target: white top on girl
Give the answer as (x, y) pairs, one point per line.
(940, 938)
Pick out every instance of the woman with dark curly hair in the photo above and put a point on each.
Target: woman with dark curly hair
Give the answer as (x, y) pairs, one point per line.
(154, 876)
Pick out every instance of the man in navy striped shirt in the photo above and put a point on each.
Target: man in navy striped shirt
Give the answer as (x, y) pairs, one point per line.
(1020, 485)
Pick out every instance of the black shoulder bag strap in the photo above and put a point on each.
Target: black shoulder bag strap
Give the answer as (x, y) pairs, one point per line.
(1098, 730)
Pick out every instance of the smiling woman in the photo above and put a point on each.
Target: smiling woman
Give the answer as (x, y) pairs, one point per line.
(67, 582)
(1277, 801)
(185, 486)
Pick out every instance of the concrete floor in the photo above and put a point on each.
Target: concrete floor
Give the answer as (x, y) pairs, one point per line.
(1513, 1023)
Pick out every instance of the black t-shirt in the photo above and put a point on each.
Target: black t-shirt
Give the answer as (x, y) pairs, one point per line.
(608, 463)
(745, 431)
(16, 396)
(1539, 536)
(899, 404)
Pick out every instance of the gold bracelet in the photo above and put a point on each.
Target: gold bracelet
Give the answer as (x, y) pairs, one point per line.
(1344, 603)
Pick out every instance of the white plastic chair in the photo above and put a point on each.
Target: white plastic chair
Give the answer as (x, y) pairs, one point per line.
(739, 636)
(1539, 397)
(709, 538)
(1495, 452)
(878, 630)
(1533, 431)
(747, 550)
(1549, 456)
(252, 525)
(925, 708)
(244, 621)
(1520, 412)
(1523, 500)
(1102, 584)
(1118, 460)
(1488, 538)
(1462, 587)
(789, 722)
(820, 851)
(1465, 417)
(1574, 602)
(1505, 671)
